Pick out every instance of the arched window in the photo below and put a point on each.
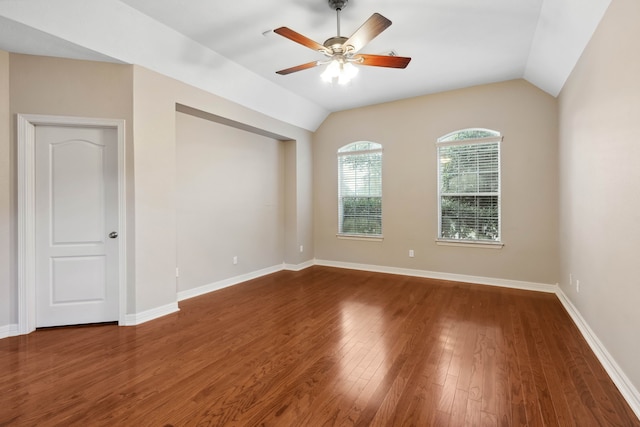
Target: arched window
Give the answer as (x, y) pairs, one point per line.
(469, 185)
(360, 189)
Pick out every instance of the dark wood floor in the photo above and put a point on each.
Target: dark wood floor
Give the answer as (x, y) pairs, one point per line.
(320, 347)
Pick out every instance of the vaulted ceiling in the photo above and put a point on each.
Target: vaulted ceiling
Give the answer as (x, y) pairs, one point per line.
(228, 48)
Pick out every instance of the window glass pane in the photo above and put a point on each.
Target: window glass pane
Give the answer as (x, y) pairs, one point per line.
(467, 159)
(360, 146)
(362, 215)
(475, 133)
(468, 183)
(470, 218)
(487, 158)
(488, 182)
(469, 192)
(360, 189)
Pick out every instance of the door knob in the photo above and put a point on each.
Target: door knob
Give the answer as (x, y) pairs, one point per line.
(113, 234)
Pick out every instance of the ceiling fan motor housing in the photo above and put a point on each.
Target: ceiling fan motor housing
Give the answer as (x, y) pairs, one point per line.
(337, 4)
(335, 44)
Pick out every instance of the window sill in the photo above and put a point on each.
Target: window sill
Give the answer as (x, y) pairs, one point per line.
(360, 237)
(470, 244)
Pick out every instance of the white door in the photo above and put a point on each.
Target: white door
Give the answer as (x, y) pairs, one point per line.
(76, 225)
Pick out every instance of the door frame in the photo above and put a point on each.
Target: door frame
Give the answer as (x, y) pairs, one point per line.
(26, 138)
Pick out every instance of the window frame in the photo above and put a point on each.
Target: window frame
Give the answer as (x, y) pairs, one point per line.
(346, 150)
(490, 136)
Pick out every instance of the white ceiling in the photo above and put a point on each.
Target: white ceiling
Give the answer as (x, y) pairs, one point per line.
(220, 46)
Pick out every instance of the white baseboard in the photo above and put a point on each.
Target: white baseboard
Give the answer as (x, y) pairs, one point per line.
(205, 289)
(299, 267)
(628, 391)
(10, 330)
(505, 283)
(154, 313)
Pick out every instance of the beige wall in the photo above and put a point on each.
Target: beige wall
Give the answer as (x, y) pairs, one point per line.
(599, 112)
(155, 98)
(8, 295)
(407, 130)
(290, 203)
(230, 201)
(299, 181)
(154, 158)
(305, 215)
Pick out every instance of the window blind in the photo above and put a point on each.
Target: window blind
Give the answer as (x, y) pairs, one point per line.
(469, 189)
(360, 189)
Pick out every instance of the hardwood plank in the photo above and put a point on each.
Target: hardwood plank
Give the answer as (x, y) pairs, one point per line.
(541, 387)
(514, 409)
(502, 390)
(319, 347)
(531, 404)
(459, 408)
(556, 389)
(474, 413)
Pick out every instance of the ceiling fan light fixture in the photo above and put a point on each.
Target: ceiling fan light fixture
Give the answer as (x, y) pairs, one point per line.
(331, 72)
(348, 72)
(340, 71)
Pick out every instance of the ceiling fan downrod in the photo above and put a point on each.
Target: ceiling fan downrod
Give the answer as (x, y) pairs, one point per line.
(338, 5)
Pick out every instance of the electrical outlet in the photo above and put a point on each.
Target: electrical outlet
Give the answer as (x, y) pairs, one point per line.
(177, 272)
(578, 286)
(411, 253)
(301, 248)
(235, 260)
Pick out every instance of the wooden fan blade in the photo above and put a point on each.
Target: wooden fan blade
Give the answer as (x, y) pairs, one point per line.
(367, 32)
(297, 68)
(383, 60)
(299, 38)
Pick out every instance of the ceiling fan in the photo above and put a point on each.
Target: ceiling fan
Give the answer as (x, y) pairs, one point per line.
(342, 52)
